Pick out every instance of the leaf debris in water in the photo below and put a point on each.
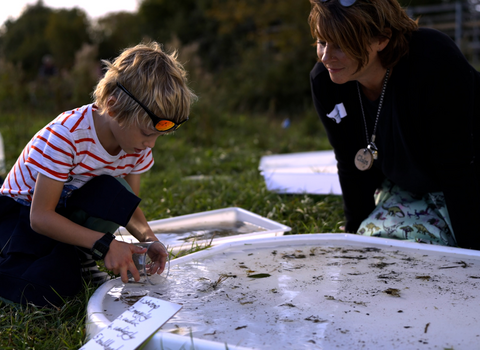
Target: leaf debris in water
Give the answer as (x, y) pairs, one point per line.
(426, 327)
(381, 265)
(131, 299)
(214, 332)
(393, 292)
(425, 278)
(294, 256)
(259, 275)
(288, 304)
(315, 319)
(460, 264)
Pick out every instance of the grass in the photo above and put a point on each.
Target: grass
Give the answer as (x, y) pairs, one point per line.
(210, 163)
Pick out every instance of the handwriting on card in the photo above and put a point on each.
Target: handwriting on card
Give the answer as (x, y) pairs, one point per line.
(134, 326)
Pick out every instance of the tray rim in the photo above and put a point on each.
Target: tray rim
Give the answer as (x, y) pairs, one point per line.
(96, 320)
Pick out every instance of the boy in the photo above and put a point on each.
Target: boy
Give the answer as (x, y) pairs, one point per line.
(72, 185)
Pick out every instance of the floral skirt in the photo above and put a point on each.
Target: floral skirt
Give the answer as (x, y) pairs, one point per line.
(400, 214)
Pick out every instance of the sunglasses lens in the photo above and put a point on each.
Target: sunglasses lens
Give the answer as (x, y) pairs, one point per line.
(164, 125)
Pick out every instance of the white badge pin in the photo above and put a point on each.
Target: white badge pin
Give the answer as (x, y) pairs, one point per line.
(338, 113)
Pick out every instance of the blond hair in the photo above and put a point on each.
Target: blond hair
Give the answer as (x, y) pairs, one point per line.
(352, 28)
(154, 77)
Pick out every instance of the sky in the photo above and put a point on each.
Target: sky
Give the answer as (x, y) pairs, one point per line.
(93, 8)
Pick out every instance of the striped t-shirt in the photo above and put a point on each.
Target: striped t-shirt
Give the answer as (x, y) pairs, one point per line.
(68, 150)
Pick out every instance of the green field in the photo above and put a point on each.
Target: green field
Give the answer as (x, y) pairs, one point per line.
(226, 150)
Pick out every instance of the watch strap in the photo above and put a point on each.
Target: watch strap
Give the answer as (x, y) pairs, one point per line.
(101, 247)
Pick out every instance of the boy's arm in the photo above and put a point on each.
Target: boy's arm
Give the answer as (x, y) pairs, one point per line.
(45, 220)
(138, 225)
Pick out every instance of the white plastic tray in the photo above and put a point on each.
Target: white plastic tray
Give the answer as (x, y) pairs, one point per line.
(267, 227)
(324, 291)
(305, 172)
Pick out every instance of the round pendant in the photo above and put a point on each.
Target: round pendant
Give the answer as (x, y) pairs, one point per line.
(364, 159)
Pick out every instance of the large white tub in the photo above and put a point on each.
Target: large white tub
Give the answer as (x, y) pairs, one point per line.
(318, 291)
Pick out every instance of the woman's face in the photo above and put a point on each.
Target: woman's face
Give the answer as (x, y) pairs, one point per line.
(342, 68)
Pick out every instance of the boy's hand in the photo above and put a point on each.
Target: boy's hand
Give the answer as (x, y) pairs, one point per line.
(119, 259)
(158, 254)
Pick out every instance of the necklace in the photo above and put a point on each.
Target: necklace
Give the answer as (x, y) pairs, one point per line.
(365, 156)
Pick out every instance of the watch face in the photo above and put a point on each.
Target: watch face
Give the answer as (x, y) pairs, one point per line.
(97, 254)
(101, 247)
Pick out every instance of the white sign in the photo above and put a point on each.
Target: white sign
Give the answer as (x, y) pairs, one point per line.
(129, 330)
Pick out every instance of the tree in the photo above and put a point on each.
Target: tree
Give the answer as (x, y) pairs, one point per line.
(163, 19)
(23, 41)
(266, 53)
(66, 32)
(115, 32)
(41, 31)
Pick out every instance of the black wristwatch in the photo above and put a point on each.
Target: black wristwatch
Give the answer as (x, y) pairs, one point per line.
(101, 247)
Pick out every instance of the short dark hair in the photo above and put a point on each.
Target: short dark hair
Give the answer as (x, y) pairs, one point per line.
(352, 28)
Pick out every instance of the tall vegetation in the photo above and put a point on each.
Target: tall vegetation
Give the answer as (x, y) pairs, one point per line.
(243, 55)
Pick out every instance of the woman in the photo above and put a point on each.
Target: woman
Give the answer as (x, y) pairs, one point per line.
(401, 107)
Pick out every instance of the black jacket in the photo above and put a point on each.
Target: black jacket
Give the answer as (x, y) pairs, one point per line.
(427, 134)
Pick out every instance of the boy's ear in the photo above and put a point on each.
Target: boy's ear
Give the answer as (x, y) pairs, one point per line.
(110, 103)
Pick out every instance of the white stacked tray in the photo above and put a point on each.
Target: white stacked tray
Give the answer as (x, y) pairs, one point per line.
(297, 173)
(255, 225)
(318, 291)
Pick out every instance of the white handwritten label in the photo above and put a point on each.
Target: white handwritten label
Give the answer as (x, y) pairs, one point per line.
(129, 330)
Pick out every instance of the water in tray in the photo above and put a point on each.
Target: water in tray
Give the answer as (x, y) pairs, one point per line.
(205, 232)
